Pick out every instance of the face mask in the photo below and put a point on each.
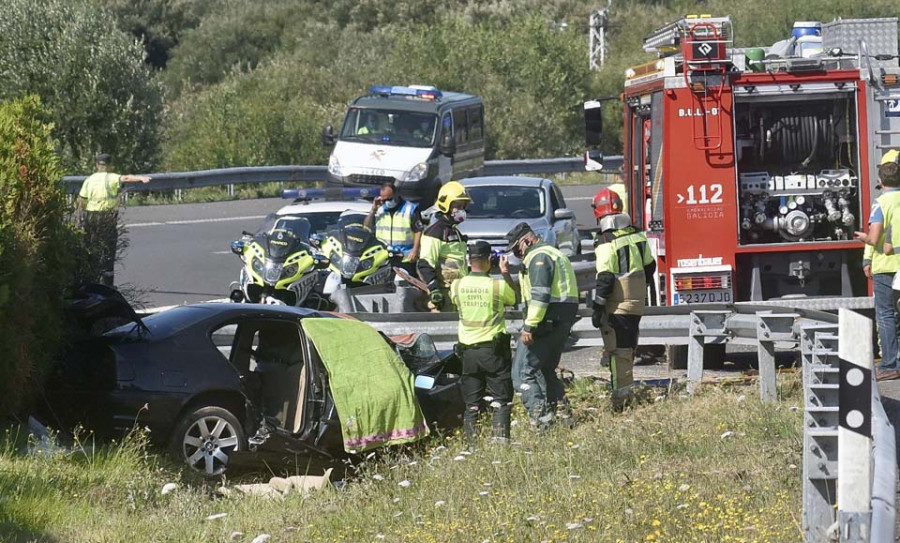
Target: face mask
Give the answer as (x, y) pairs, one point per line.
(459, 215)
(390, 204)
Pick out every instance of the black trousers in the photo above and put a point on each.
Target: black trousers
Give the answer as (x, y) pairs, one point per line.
(486, 373)
(101, 231)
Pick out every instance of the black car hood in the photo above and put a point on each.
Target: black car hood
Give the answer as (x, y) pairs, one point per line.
(97, 308)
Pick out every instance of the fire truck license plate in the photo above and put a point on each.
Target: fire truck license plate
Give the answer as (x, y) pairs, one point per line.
(705, 297)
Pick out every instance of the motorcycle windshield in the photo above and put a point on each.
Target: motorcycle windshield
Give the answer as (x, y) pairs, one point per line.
(286, 236)
(356, 240)
(348, 220)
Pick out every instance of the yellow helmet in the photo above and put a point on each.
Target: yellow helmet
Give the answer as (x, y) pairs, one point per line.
(890, 156)
(452, 191)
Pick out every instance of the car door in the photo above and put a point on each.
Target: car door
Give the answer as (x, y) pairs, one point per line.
(562, 220)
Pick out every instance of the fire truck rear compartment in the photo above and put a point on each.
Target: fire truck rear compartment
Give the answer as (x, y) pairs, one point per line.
(797, 164)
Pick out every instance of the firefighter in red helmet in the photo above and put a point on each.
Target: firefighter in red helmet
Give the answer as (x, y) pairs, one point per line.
(625, 265)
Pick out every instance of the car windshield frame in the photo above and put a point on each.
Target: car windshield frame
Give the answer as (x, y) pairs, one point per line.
(392, 127)
(476, 209)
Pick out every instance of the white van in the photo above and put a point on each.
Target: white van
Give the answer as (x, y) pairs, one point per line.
(416, 136)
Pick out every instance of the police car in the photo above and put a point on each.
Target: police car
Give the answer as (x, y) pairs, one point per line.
(323, 207)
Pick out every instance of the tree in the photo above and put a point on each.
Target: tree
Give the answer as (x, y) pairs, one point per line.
(91, 77)
(37, 249)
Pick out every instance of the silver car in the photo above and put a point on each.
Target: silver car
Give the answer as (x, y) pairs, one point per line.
(499, 203)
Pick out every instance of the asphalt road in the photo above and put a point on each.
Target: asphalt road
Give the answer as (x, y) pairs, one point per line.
(181, 253)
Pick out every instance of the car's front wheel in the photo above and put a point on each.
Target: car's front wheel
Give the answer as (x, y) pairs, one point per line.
(205, 438)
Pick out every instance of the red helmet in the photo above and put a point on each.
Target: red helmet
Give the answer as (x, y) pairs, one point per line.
(606, 202)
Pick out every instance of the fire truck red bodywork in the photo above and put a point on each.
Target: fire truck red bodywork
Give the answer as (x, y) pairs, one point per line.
(681, 161)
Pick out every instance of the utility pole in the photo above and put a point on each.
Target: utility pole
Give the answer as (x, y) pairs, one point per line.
(598, 22)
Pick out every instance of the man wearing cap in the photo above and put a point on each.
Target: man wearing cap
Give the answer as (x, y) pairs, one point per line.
(550, 291)
(882, 264)
(97, 203)
(398, 224)
(484, 343)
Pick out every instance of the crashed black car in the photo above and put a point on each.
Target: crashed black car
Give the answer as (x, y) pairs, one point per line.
(214, 382)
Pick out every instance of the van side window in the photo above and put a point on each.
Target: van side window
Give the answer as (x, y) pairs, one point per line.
(460, 129)
(476, 126)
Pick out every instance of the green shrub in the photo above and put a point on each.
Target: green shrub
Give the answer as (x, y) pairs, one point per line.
(37, 249)
(90, 76)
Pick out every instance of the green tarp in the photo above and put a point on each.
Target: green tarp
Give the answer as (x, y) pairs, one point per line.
(373, 390)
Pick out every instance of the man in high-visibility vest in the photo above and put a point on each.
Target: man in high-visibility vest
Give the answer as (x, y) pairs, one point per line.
(484, 343)
(625, 266)
(548, 287)
(398, 223)
(883, 263)
(443, 256)
(97, 204)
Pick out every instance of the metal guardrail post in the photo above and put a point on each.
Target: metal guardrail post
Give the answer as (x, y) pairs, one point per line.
(704, 325)
(772, 327)
(884, 483)
(854, 488)
(818, 349)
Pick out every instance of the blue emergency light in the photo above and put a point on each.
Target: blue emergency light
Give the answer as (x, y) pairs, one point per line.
(337, 194)
(396, 90)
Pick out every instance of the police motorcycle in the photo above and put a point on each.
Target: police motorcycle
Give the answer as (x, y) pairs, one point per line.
(280, 265)
(357, 260)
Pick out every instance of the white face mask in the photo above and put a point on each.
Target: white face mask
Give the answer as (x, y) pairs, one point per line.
(390, 204)
(459, 215)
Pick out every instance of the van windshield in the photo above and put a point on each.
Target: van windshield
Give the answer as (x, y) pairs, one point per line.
(387, 127)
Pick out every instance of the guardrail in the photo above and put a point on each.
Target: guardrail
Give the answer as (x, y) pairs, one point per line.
(849, 454)
(311, 174)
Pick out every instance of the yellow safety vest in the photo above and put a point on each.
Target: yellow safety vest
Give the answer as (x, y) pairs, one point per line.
(448, 258)
(882, 263)
(480, 301)
(395, 229)
(624, 253)
(100, 190)
(563, 287)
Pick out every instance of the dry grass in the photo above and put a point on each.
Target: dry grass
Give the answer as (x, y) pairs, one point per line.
(717, 467)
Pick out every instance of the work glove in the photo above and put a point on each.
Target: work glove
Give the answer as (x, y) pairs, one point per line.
(597, 317)
(436, 297)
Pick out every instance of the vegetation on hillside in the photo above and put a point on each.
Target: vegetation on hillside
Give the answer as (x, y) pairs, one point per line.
(186, 84)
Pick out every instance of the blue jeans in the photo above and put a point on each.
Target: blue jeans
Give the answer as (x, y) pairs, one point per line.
(886, 318)
(534, 370)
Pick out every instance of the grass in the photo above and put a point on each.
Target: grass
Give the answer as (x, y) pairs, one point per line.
(209, 194)
(661, 472)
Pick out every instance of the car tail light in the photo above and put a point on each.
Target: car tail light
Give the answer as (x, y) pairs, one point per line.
(703, 281)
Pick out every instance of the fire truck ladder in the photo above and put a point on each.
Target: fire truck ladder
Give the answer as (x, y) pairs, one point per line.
(705, 50)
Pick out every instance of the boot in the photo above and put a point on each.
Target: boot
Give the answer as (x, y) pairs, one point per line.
(500, 422)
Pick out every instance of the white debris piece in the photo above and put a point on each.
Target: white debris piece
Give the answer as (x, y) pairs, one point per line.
(235, 536)
(168, 487)
(217, 516)
(404, 483)
(261, 538)
(726, 435)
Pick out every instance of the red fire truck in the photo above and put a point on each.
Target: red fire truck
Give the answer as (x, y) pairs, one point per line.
(750, 169)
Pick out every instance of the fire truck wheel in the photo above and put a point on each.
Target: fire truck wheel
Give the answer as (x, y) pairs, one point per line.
(713, 356)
